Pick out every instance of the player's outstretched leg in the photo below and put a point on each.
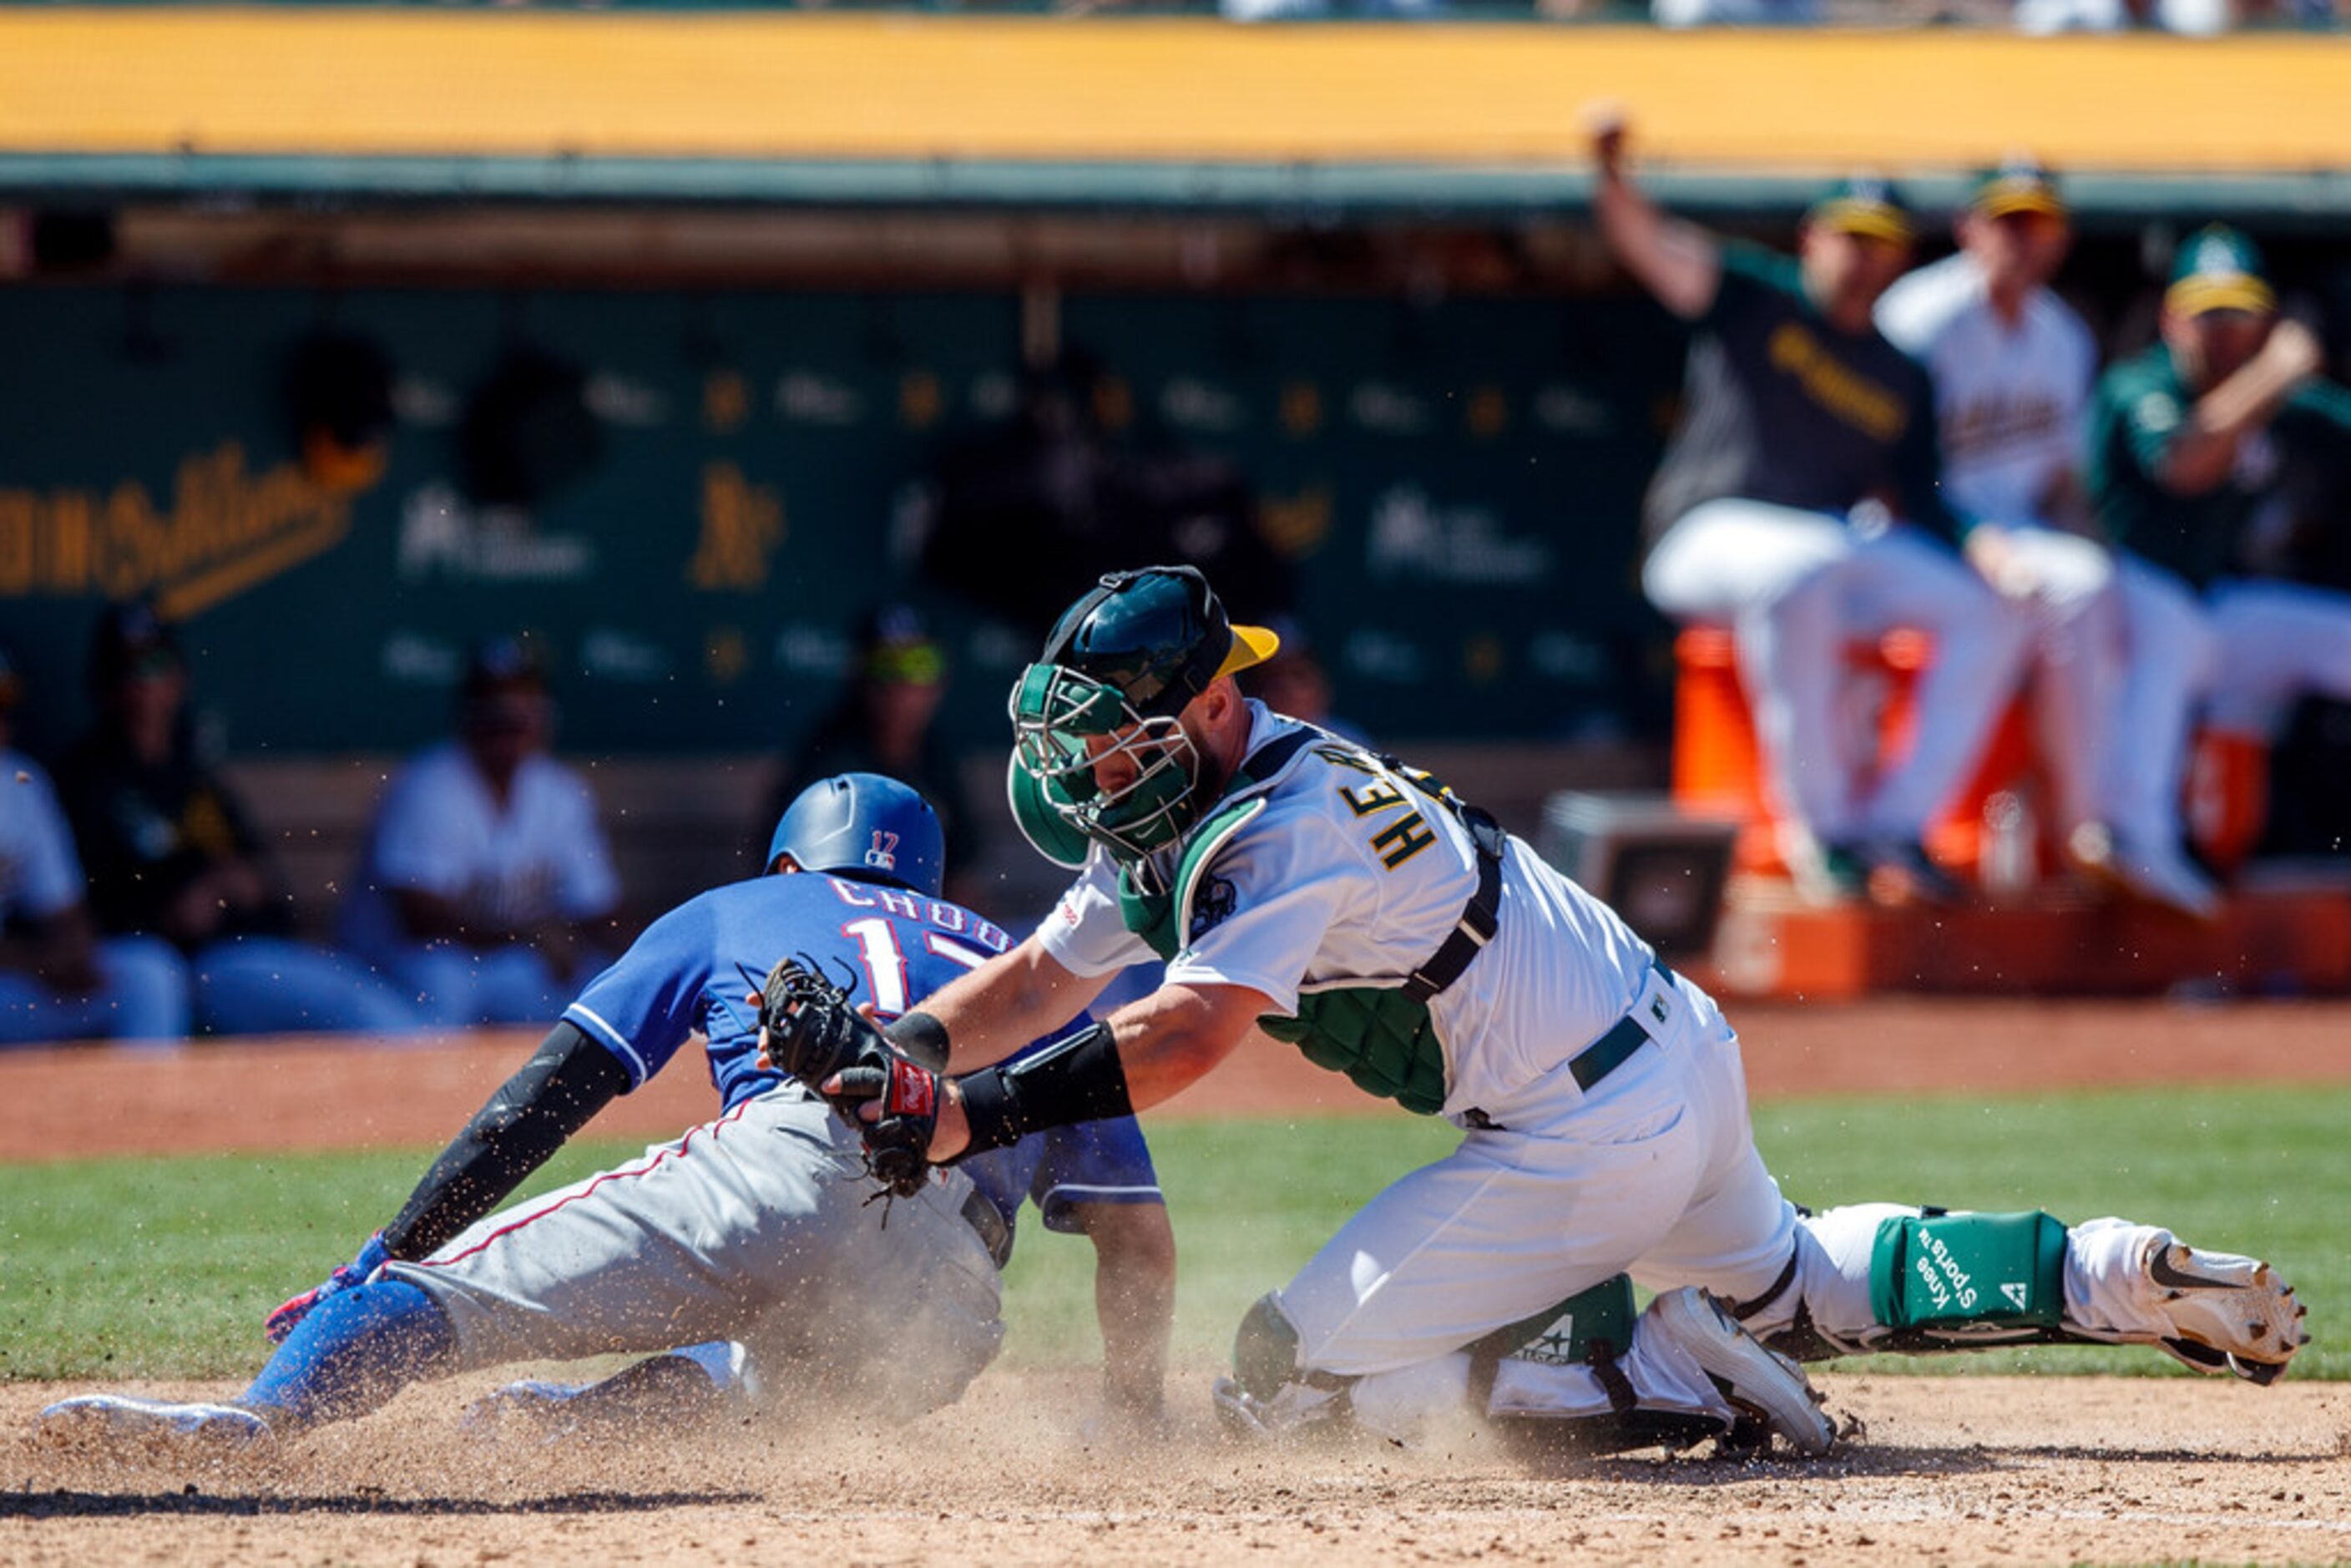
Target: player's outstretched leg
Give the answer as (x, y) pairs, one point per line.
(1689, 1373)
(674, 1389)
(351, 1355)
(1882, 1277)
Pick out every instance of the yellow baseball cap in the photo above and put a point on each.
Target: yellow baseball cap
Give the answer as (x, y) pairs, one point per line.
(2021, 184)
(2219, 270)
(1865, 205)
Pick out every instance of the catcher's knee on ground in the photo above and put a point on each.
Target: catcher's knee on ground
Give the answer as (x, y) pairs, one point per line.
(1570, 1376)
(1270, 1394)
(1884, 1277)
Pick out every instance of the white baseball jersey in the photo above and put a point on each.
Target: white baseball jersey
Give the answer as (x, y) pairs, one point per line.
(39, 875)
(540, 856)
(2010, 401)
(1351, 875)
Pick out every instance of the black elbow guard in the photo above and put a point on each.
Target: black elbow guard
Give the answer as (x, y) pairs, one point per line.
(1080, 1079)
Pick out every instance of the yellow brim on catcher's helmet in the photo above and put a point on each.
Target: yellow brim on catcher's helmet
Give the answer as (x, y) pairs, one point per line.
(1251, 646)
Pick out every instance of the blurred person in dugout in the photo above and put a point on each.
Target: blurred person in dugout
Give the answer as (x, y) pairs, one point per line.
(2191, 443)
(1074, 485)
(1799, 503)
(2013, 368)
(172, 853)
(487, 891)
(58, 980)
(885, 723)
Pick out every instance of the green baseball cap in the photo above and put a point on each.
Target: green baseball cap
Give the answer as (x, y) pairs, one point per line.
(2219, 270)
(1863, 204)
(2021, 184)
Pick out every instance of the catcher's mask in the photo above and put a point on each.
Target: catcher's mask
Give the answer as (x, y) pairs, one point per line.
(1117, 673)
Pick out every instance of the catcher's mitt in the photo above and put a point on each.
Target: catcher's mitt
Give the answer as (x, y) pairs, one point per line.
(809, 1028)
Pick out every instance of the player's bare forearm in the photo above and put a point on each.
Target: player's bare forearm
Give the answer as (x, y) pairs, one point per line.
(1680, 263)
(2205, 452)
(1011, 1000)
(1135, 1299)
(1166, 1042)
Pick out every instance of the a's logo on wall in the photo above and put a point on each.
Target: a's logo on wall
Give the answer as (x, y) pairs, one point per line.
(1296, 525)
(226, 530)
(742, 523)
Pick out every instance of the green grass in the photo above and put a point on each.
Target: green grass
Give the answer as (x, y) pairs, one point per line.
(163, 1267)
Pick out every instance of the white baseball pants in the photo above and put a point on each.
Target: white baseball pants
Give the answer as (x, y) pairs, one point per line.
(753, 1227)
(1795, 587)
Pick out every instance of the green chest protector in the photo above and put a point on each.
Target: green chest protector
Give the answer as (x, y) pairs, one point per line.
(1378, 1033)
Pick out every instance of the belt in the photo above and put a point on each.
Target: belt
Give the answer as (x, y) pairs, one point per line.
(989, 1220)
(1609, 1052)
(1596, 1061)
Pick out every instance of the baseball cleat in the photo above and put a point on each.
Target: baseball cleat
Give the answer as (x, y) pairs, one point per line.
(2229, 1314)
(1238, 1412)
(675, 1387)
(1756, 1382)
(1297, 1411)
(118, 1420)
(1898, 872)
(2152, 875)
(1827, 874)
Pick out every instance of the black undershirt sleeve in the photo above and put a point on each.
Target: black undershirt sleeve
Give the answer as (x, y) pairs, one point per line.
(566, 1081)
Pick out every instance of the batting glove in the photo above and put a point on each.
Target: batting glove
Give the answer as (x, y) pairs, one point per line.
(358, 1272)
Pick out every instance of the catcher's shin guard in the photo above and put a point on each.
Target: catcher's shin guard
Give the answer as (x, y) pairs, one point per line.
(1269, 1394)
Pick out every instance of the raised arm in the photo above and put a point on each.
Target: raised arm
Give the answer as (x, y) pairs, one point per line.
(1680, 263)
(2200, 456)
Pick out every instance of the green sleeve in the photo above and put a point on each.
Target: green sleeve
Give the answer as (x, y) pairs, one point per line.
(2319, 412)
(2147, 412)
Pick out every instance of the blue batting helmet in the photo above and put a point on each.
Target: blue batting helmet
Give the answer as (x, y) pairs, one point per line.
(863, 826)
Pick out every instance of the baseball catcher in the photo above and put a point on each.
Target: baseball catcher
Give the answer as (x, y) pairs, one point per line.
(1306, 888)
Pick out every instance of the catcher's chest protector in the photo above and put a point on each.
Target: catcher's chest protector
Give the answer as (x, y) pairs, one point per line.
(1381, 1038)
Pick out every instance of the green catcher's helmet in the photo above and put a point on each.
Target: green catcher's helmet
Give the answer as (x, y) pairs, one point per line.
(1119, 668)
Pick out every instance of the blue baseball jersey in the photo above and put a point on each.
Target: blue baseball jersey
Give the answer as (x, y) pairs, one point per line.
(693, 968)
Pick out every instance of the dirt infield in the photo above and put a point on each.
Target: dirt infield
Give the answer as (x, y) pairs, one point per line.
(1953, 1470)
(1950, 1470)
